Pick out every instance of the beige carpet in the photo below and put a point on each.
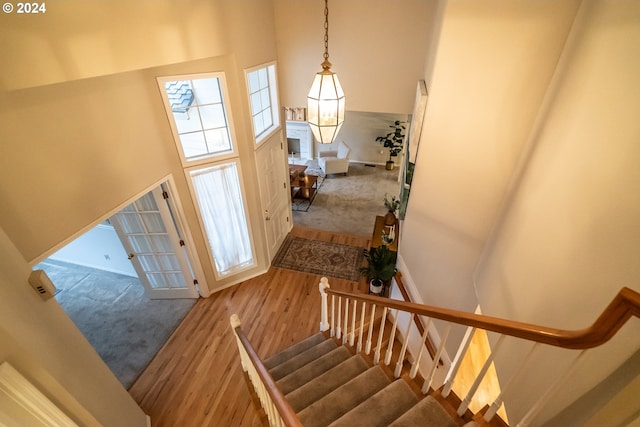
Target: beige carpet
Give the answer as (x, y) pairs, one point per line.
(349, 204)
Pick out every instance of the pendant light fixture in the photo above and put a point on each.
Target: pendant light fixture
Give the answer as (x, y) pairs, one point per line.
(325, 100)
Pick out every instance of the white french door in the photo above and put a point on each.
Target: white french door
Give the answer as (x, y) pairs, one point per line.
(148, 233)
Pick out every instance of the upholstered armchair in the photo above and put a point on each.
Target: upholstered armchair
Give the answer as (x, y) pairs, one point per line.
(335, 161)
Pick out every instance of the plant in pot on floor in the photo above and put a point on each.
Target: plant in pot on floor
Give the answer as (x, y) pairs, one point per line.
(393, 141)
(380, 269)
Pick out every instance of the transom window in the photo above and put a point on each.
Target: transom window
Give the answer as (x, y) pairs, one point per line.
(263, 96)
(199, 120)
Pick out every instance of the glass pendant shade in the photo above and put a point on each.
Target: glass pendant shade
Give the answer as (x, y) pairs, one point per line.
(325, 106)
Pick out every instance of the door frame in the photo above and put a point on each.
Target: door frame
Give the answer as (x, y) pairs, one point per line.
(180, 220)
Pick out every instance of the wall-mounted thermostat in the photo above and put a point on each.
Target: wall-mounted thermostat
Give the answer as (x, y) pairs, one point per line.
(42, 284)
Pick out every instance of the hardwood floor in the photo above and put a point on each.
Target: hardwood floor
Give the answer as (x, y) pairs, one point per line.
(196, 378)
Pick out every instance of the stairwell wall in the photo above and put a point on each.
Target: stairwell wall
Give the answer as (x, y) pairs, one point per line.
(569, 237)
(487, 77)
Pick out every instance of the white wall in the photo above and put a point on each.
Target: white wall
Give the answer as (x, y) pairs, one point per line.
(360, 130)
(493, 63)
(570, 236)
(75, 39)
(376, 48)
(98, 248)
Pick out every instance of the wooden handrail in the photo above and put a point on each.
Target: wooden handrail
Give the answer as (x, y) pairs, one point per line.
(624, 305)
(285, 410)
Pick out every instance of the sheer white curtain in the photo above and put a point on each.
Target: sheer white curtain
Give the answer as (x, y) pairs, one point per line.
(220, 199)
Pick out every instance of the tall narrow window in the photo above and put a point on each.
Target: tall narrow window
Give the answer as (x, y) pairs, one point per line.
(263, 96)
(222, 212)
(199, 120)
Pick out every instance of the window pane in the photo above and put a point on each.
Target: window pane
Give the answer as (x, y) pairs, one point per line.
(256, 103)
(222, 209)
(146, 203)
(262, 74)
(149, 263)
(140, 243)
(196, 106)
(254, 84)
(263, 100)
(193, 144)
(131, 223)
(169, 262)
(188, 123)
(212, 116)
(258, 123)
(207, 91)
(218, 140)
(162, 243)
(153, 222)
(266, 117)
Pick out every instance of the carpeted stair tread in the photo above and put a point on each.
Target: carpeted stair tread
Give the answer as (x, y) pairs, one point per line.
(382, 408)
(312, 369)
(427, 413)
(295, 349)
(344, 398)
(323, 384)
(299, 360)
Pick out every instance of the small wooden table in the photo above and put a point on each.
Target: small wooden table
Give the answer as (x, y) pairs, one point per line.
(306, 186)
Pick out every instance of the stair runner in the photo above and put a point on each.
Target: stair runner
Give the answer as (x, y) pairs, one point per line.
(326, 385)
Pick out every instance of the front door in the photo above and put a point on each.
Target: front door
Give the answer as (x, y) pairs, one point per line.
(274, 194)
(148, 234)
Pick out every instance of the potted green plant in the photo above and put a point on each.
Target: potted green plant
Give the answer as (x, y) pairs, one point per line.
(380, 269)
(392, 206)
(393, 141)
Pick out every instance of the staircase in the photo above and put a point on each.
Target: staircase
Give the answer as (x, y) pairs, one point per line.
(326, 384)
(360, 369)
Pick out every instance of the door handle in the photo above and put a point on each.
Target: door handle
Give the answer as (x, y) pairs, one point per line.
(267, 216)
(130, 256)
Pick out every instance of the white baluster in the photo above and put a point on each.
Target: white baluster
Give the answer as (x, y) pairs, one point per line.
(537, 407)
(376, 356)
(416, 362)
(352, 337)
(427, 383)
(333, 315)
(362, 309)
(493, 409)
(370, 333)
(345, 331)
(392, 338)
(324, 319)
(403, 351)
(464, 405)
(339, 322)
(457, 361)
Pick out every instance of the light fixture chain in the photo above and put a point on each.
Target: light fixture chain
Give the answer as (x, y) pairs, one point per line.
(326, 29)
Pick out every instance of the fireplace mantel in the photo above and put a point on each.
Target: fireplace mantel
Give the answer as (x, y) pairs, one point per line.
(299, 141)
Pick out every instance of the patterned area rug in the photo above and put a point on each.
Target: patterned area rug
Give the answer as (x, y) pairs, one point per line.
(322, 258)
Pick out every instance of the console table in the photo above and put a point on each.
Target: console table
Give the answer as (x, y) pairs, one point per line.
(376, 238)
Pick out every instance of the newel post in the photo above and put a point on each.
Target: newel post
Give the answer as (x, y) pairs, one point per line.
(324, 311)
